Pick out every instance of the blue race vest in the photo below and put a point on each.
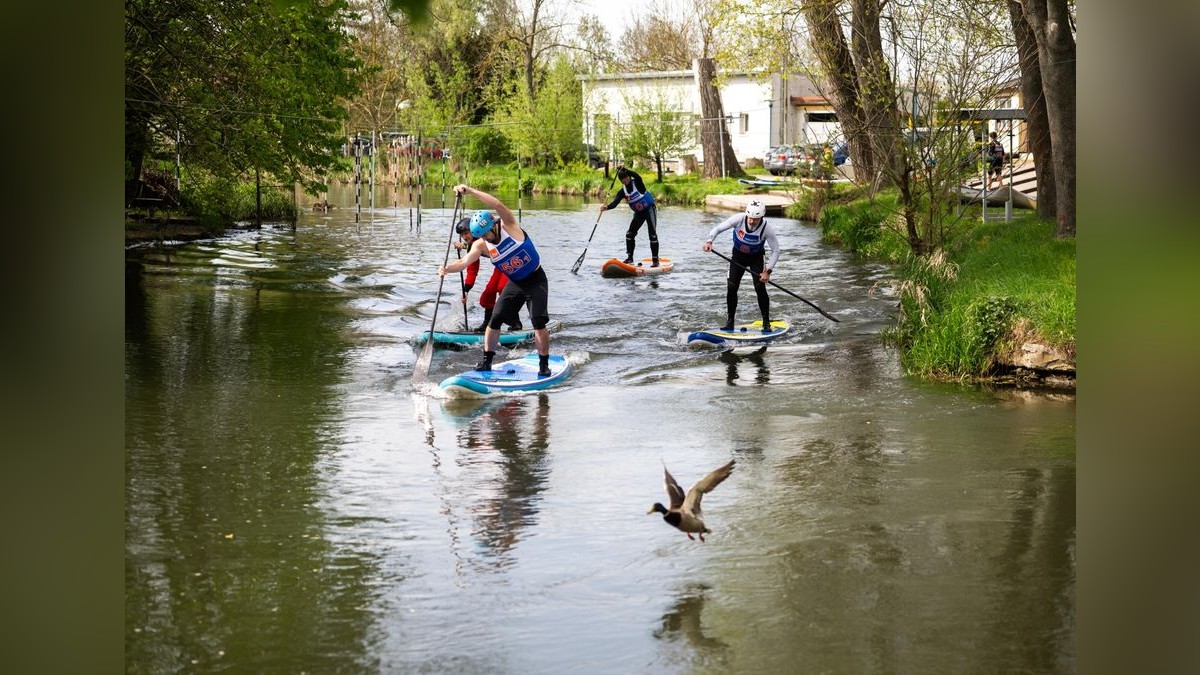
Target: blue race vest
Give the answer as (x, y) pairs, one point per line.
(638, 201)
(750, 242)
(516, 260)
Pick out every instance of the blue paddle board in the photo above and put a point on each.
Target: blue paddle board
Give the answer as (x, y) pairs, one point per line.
(470, 338)
(516, 375)
(743, 334)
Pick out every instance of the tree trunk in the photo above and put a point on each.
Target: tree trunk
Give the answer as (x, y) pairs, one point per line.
(1049, 20)
(713, 139)
(876, 94)
(136, 141)
(1037, 126)
(829, 44)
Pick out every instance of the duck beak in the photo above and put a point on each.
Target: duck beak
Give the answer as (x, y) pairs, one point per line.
(650, 510)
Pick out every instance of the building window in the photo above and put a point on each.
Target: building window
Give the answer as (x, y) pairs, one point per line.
(822, 117)
(744, 122)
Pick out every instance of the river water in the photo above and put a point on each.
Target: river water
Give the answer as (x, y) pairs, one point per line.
(294, 505)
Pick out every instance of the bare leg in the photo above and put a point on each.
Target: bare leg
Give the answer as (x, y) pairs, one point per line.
(541, 340)
(491, 339)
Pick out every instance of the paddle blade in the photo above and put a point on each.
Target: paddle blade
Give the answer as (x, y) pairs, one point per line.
(578, 263)
(421, 369)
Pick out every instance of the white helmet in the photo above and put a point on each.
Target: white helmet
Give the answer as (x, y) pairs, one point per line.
(755, 209)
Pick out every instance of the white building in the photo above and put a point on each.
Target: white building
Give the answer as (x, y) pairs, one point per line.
(761, 111)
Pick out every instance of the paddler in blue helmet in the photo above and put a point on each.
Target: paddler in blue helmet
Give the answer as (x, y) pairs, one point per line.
(498, 236)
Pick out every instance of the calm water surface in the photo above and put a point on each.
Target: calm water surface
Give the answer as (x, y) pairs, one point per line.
(294, 505)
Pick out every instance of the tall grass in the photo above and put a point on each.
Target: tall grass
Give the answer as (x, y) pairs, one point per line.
(959, 306)
(872, 228)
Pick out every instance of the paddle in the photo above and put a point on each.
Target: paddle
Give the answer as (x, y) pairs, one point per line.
(421, 369)
(823, 313)
(462, 282)
(575, 267)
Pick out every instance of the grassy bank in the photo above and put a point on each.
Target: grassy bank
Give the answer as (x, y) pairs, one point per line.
(578, 179)
(987, 287)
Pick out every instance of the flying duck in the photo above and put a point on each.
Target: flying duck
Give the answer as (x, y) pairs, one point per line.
(684, 514)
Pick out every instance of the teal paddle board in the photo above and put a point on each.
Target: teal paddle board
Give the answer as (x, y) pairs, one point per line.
(464, 338)
(746, 333)
(517, 375)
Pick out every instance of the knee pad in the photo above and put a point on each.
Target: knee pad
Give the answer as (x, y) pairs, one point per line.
(540, 322)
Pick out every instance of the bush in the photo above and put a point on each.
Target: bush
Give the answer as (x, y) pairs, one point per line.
(480, 145)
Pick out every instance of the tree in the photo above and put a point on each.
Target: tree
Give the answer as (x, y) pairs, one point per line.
(1051, 24)
(657, 130)
(1036, 117)
(534, 28)
(719, 159)
(546, 131)
(653, 41)
(245, 86)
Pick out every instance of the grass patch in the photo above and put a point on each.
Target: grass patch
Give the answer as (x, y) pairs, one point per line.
(872, 228)
(959, 305)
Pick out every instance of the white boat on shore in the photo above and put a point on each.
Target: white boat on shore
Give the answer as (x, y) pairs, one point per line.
(997, 197)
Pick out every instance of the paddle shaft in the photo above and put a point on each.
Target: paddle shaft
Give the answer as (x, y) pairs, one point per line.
(462, 282)
(579, 261)
(823, 312)
(421, 369)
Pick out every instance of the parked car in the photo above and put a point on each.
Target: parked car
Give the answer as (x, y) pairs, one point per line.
(782, 160)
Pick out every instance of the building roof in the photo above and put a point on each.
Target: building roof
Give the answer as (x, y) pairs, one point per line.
(665, 74)
(810, 100)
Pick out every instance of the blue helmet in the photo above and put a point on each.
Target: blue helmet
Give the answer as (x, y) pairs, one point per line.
(481, 223)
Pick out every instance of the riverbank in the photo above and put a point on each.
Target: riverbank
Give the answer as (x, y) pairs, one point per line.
(995, 303)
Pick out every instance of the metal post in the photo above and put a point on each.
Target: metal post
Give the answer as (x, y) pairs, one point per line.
(357, 178)
(420, 180)
(1008, 205)
(371, 154)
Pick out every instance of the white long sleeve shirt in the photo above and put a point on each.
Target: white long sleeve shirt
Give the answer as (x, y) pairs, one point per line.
(740, 220)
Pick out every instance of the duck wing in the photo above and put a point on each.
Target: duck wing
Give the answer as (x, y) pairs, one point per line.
(691, 503)
(674, 492)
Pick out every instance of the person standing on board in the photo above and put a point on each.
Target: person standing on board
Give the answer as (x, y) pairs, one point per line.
(495, 284)
(499, 236)
(751, 235)
(633, 190)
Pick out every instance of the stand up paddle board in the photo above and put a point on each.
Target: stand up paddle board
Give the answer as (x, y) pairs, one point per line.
(516, 375)
(508, 338)
(746, 333)
(614, 269)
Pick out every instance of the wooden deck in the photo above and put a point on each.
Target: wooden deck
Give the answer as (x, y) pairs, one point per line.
(774, 202)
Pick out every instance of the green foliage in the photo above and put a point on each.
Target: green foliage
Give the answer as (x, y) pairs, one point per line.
(481, 145)
(218, 202)
(243, 85)
(692, 190)
(867, 227)
(958, 305)
(658, 131)
(545, 129)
